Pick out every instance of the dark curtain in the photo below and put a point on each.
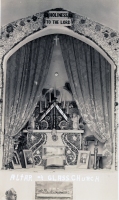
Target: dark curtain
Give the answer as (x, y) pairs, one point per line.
(27, 69)
(89, 74)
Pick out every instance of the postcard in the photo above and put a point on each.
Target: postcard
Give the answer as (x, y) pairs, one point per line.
(59, 80)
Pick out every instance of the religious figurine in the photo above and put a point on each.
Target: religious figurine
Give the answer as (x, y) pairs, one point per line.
(75, 120)
(11, 194)
(31, 123)
(81, 123)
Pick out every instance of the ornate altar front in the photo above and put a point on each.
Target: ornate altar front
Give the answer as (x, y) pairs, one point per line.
(51, 136)
(54, 136)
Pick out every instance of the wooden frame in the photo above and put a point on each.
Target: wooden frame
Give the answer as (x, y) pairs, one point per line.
(28, 158)
(16, 164)
(83, 159)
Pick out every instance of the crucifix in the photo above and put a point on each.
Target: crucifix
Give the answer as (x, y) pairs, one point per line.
(56, 39)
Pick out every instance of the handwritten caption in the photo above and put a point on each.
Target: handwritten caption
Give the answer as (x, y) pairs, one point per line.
(29, 178)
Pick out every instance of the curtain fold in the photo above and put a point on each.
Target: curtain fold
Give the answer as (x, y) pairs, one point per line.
(27, 69)
(89, 74)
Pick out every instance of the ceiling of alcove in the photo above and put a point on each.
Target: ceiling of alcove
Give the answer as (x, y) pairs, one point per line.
(102, 11)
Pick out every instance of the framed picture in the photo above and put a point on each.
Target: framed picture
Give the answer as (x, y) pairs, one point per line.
(16, 164)
(50, 151)
(83, 159)
(28, 158)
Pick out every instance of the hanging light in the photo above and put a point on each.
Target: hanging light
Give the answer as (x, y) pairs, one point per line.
(56, 74)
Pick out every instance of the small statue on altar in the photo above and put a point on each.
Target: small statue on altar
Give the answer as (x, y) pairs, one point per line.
(31, 123)
(81, 123)
(75, 120)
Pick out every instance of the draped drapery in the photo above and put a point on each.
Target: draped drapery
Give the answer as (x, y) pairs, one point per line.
(89, 74)
(27, 69)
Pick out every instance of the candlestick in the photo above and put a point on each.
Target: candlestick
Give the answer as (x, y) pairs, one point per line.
(64, 104)
(40, 106)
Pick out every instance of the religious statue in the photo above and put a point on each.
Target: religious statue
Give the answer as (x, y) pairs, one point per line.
(81, 123)
(31, 123)
(75, 120)
(11, 194)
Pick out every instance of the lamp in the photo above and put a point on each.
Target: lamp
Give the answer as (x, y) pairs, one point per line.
(56, 74)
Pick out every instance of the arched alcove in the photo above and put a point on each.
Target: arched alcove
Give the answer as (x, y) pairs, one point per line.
(66, 31)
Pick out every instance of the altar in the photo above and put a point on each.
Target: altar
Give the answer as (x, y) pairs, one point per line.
(52, 148)
(53, 138)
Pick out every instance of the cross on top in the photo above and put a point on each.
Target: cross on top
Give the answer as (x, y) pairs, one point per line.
(56, 39)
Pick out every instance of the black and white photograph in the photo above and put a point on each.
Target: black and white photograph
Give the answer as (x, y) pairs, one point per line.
(53, 190)
(28, 157)
(83, 159)
(59, 80)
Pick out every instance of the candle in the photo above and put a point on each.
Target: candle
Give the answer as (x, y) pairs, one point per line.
(80, 141)
(40, 106)
(60, 100)
(64, 104)
(45, 102)
(49, 96)
(54, 92)
(67, 107)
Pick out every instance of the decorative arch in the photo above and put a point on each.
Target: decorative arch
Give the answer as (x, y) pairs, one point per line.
(18, 33)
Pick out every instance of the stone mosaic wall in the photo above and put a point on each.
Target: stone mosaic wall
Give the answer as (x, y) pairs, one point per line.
(13, 33)
(106, 38)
